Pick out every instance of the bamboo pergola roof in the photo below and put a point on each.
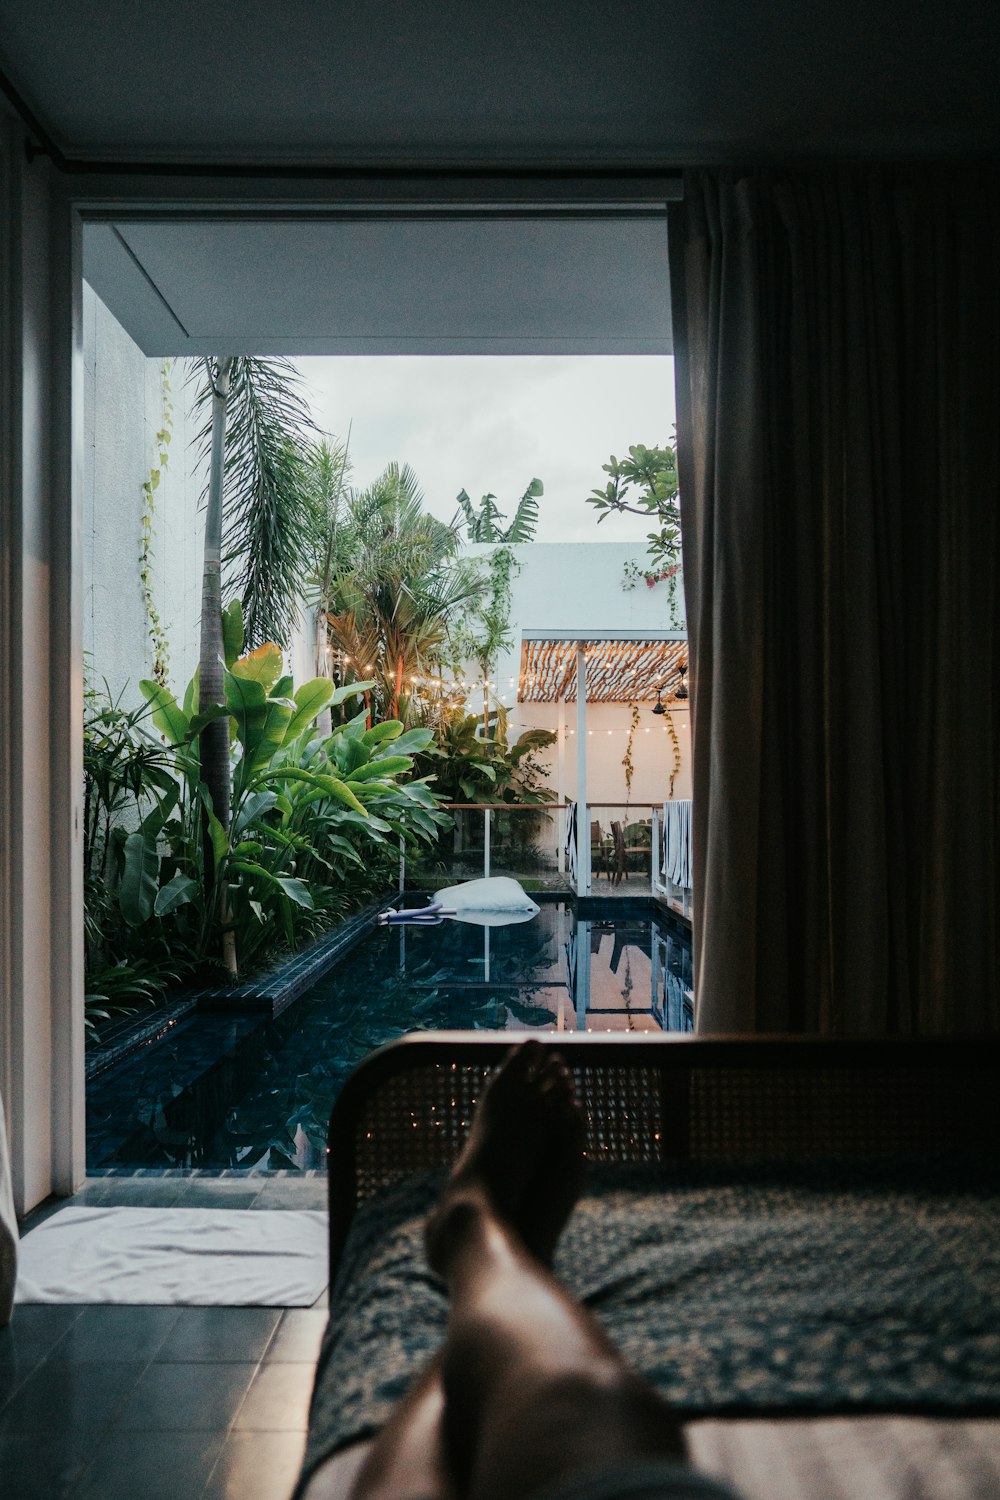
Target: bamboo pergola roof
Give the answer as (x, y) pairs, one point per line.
(621, 668)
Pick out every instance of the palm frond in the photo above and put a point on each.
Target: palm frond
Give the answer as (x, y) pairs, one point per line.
(525, 522)
(270, 535)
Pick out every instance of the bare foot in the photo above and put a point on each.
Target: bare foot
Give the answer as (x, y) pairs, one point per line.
(524, 1154)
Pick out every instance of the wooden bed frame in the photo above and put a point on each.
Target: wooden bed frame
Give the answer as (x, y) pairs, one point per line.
(648, 1098)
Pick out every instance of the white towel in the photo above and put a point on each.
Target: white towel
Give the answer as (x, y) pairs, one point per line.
(197, 1257)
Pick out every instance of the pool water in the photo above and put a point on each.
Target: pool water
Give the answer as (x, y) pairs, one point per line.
(240, 1092)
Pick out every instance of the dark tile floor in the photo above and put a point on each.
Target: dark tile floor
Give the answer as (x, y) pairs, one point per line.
(160, 1403)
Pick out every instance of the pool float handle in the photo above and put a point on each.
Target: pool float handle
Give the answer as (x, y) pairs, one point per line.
(427, 916)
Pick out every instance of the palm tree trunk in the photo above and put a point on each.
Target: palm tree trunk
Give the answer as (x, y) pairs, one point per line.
(214, 741)
(324, 720)
(399, 686)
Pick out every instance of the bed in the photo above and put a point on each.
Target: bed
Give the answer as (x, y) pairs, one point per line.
(797, 1241)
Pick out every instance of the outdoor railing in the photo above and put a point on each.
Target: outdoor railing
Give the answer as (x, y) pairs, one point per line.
(591, 847)
(610, 846)
(522, 839)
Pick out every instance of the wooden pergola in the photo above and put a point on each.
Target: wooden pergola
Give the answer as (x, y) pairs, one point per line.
(620, 667)
(598, 666)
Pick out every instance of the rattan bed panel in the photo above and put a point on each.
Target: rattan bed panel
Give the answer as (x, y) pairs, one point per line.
(417, 1120)
(838, 1113)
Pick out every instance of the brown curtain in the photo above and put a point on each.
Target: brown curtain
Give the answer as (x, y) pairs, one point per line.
(838, 365)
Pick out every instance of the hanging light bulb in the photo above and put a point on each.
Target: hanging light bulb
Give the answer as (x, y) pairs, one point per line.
(658, 707)
(682, 691)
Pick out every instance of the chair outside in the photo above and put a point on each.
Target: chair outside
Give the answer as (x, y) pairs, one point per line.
(617, 869)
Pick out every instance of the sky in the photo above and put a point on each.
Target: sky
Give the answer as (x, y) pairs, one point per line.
(491, 424)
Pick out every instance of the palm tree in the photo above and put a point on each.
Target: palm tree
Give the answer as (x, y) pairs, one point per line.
(259, 525)
(396, 583)
(486, 523)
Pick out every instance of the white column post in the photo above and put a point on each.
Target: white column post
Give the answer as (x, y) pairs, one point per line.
(582, 972)
(561, 787)
(486, 843)
(582, 812)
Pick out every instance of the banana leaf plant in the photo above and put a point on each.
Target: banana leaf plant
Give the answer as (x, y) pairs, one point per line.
(313, 820)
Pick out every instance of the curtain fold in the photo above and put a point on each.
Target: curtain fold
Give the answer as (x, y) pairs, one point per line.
(8, 1229)
(837, 333)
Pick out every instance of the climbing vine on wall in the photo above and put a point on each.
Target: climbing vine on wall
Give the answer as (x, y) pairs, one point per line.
(668, 720)
(157, 634)
(627, 757)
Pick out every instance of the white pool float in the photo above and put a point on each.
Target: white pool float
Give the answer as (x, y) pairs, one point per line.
(497, 901)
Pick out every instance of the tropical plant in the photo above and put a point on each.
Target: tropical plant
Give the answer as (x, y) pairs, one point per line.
(300, 806)
(125, 770)
(470, 766)
(485, 628)
(327, 468)
(485, 522)
(396, 586)
(645, 484)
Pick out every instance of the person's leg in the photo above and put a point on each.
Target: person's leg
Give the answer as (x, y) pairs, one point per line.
(527, 1387)
(534, 1389)
(538, 1184)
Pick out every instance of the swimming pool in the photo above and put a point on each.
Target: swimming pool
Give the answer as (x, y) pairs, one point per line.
(241, 1092)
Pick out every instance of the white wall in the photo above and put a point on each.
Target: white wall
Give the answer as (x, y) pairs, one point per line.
(123, 411)
(579, 587)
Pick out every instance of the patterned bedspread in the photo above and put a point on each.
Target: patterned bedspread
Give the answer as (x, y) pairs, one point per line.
(810, 1291)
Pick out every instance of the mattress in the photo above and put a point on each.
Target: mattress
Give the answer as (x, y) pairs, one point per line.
(818, 1292)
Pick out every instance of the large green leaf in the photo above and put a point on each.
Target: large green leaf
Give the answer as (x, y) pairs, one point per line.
(199, 721)
(263, 665)
(256, 806)
(351, 690)
(310, 699)
(341, 792)
(331, 785)
(219, 837)
(296, 890)
(232, 631)
(386, 765)
(192, 693)
(168, 716)
(272, 732)
(261, 721)
(152, 825)
(412, 742)
(391, 729)
(137, 891)
(175, 893)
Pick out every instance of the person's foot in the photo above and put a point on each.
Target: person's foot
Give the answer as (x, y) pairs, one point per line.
(524, 1155)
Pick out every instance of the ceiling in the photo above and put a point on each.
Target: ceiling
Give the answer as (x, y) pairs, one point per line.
(645, 86)
(413, 285)
(473, 82)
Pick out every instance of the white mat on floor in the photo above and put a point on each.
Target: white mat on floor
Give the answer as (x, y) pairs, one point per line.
(193, 1257)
